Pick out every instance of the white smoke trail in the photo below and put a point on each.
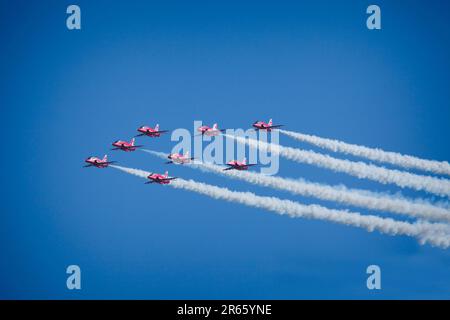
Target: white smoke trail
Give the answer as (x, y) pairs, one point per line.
(340, 194)
(438, 186)
(375, 154)
(434, 234)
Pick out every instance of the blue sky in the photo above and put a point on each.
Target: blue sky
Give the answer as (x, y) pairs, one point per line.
(311, 65)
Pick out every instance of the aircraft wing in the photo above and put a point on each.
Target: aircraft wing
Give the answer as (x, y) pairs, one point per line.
(229, 168)
(162, 131)
(168, 179)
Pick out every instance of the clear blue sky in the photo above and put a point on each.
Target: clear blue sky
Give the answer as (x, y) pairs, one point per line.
(312, 65)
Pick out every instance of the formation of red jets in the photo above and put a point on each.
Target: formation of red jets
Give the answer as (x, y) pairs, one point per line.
(175, 158)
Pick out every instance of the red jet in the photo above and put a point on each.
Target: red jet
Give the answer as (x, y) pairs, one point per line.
(206, 130)
(178, 158)
(236, 165)
(261, 125)
(97, 162)
(159, 178)
(150, 132)
(125, 146)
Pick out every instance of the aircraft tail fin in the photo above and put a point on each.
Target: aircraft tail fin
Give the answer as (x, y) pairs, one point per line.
(186, 154)
(157, 127)
(132, 141)
(244, 161)
(105, 158)
(166, 174)
(270, 122)
(214, 126)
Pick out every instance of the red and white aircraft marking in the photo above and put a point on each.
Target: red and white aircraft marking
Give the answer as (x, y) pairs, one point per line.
(97, 162)
(261, 125)
(179, 158)
(237, 165)
(150, 132)
(206, 130)
(160, 178)
(125, 146)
